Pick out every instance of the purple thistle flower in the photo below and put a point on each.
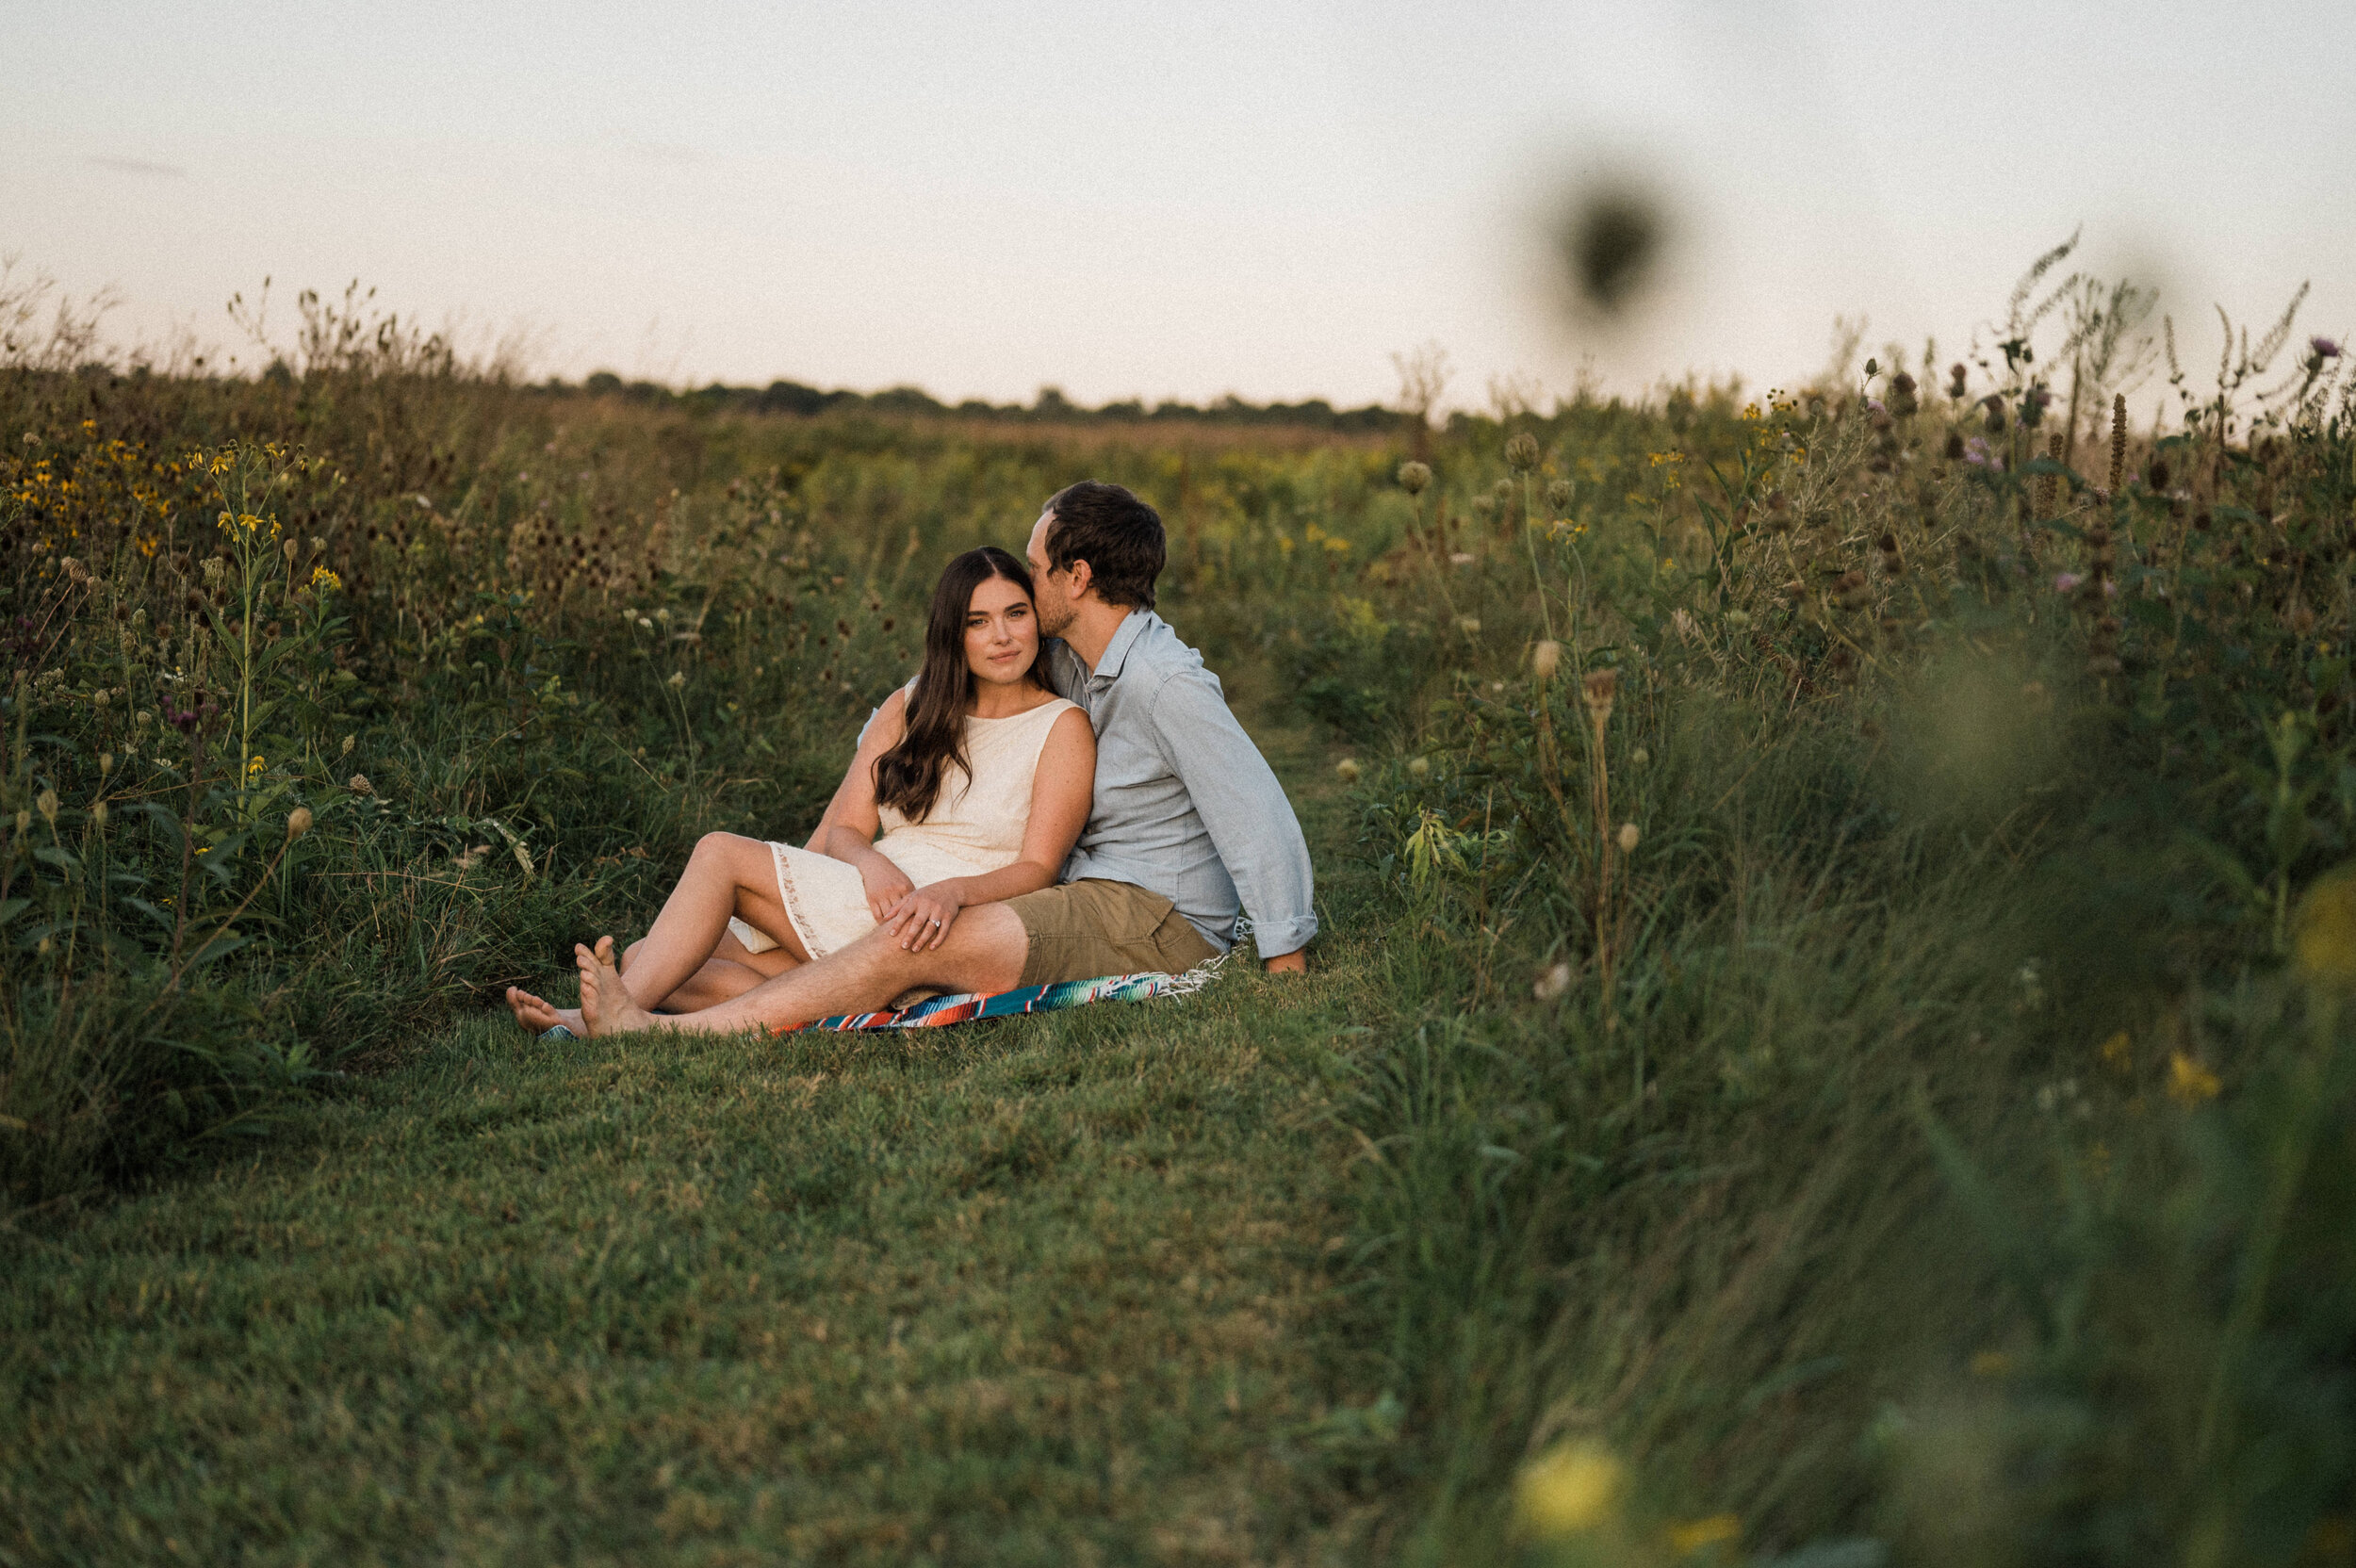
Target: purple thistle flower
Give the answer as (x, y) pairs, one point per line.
(2324, 348)
(1976, 451)
(2065, 582)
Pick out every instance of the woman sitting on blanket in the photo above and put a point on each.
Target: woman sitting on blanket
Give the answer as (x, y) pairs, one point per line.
(979, 779)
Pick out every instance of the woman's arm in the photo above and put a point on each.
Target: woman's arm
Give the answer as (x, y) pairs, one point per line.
(847, 831)
(1062, 791)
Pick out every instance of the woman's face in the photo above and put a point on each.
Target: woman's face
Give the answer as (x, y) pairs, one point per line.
(1001, 632)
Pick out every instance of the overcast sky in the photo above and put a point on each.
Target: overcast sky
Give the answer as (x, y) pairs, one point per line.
(1267, 197)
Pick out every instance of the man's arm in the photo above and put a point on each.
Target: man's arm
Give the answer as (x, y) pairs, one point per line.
(1250, 820)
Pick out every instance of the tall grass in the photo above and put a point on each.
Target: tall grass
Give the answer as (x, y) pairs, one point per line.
(1862, 1070)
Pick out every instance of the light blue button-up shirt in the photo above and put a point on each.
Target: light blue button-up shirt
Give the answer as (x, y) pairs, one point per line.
(1186, 806)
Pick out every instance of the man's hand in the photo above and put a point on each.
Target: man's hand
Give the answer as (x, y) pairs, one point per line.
(1287, 963)
(886, 883)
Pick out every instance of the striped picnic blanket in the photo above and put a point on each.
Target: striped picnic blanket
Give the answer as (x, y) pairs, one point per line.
(940, 1011)
(1055, 996)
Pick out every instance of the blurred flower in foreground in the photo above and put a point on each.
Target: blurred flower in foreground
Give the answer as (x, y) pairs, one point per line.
(1570, 1488)
(2189, 1081)
(1553, 983)
(1414, 477)
(1348, 769)
(2324, 348)
(2323, 940)
(1695, 1534)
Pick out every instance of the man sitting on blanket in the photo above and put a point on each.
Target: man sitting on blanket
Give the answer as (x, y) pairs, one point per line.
(1188, 828)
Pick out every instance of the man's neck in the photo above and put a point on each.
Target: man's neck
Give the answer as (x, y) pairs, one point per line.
(1093, 625)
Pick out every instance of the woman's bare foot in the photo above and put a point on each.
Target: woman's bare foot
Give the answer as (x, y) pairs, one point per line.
(540, 1017)
(605, 1004)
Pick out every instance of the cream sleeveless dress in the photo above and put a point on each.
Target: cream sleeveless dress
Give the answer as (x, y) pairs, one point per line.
(975, 826)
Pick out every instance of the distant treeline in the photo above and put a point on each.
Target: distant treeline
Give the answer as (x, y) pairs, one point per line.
(1050, 407)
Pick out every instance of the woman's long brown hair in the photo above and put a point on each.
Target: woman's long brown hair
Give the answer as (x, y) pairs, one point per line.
(908, 776)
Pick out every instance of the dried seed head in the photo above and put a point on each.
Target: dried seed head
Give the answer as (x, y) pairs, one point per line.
(1553, 983)
(1629, 835)
(358, 784)
(1346, 770)
(289, 549)
(1469, 626)
(46, 803)
(1414, 477)
(23, 823)
(1599, 688)
(98, 815)
(1558, 494)
(1419, 768)
(349, 740)
(106, 763)
(1521, 452)
(298, 823)
(1545, 659)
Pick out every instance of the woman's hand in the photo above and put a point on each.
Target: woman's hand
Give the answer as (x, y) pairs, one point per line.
(921, 920)
(886, 885)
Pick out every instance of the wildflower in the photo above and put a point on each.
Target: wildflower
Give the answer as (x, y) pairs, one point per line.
(322, 578)
(1638, 758)
(678, 678)
(298, 823)
(2189, 1081)
(98, 815)
(1571, 1488)
(2066, 582)
(1691, 1537)
(1629, 837)
(1414, 477)
(349, 740)
(1977, 452)
(1545, 659)
(1552, 984)
(1348, 770)
(2323, 944)
(1418, 769)
(1521, 452)
(358, 784)
(1557, 493)
(1460, 558)
(46, 803)
(1738, 618)
(2117, 1053)
(254, 765)
(1469, 626)
(2324, 348)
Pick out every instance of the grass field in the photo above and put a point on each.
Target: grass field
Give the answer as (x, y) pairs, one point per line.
(1067, 1289)
(1829, 1045)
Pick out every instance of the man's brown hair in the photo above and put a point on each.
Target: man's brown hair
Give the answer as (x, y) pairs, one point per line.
(1117, 534)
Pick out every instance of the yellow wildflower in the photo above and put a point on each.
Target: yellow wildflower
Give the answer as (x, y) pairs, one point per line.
(1695, 1534)
(2117, 1053)
(2189, 1081)
(322, 578)
(1572, 1487)
(2323, 943)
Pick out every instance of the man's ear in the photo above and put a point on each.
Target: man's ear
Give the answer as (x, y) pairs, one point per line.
(1082, 576)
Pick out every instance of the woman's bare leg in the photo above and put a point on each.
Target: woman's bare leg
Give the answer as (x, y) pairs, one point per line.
(730, 971)
(728, 875)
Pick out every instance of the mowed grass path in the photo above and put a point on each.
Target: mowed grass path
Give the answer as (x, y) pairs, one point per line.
(1064, 1290)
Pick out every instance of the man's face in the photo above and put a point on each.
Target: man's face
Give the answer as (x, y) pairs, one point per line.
(1052, 590)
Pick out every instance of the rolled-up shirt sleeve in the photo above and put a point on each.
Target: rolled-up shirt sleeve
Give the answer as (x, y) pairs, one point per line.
(1243, 807)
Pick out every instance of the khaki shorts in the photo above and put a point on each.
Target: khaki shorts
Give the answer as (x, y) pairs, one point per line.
(1085, 929)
